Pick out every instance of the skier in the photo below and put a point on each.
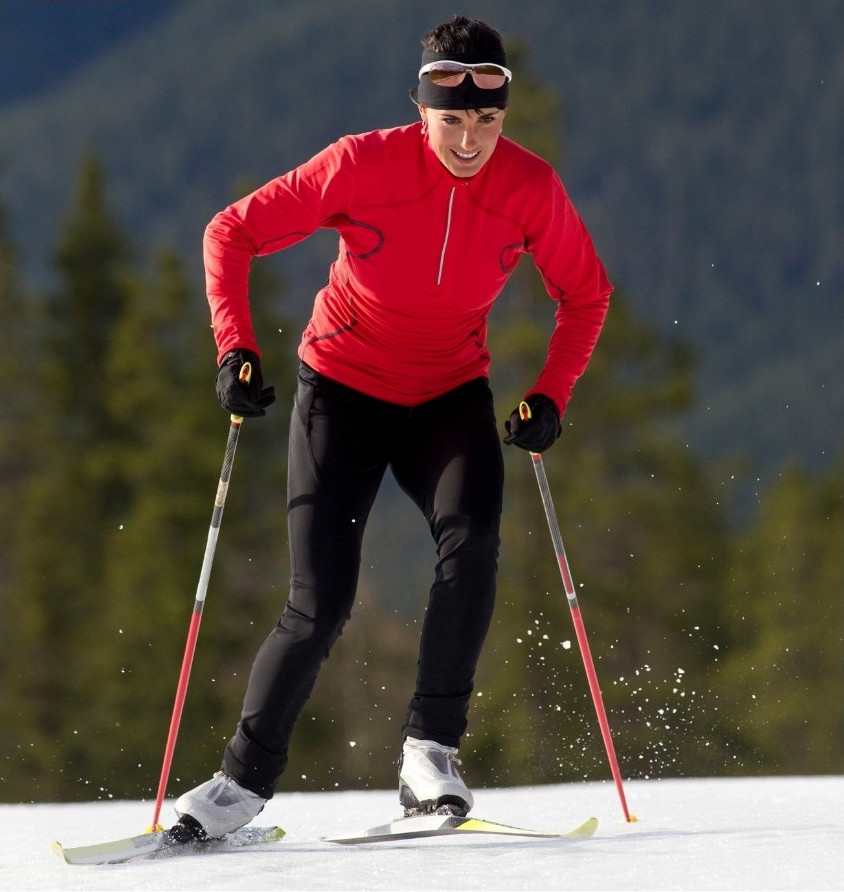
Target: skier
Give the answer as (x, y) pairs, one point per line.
(432, 218)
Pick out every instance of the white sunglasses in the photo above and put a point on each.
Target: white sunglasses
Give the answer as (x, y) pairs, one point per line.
(486, 75)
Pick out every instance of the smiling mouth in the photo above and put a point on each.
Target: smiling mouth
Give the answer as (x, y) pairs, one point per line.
(466, 156)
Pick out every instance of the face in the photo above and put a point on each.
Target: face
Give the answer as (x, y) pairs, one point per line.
(463, 139)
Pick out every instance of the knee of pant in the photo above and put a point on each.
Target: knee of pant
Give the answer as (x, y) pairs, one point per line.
(468, 540)
(322, 626)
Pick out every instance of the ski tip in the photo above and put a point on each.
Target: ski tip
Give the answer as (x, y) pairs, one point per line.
(254, 836)
(58, 848)
(269, 834)
(585, 830)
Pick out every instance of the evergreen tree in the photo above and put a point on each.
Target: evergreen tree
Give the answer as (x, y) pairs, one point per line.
(69, 498)
(780, 680)
(23, 407)
(108, 543)
(162, 455)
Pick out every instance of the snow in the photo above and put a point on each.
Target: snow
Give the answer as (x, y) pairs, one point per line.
(701, 834)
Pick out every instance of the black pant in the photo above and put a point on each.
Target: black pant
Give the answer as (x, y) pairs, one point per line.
(446, 455)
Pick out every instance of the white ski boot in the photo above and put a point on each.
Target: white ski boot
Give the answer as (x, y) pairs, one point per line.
(217, 807)
(429, 781)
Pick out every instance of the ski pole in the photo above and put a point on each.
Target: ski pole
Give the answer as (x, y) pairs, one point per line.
(199, 602)
(577, 619)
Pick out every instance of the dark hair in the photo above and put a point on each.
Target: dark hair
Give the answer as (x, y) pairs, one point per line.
(462, 35)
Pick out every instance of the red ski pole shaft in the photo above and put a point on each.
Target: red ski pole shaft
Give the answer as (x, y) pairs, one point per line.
(199, 604)
(577, 619)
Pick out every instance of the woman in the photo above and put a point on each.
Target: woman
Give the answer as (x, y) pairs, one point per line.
(432, 218)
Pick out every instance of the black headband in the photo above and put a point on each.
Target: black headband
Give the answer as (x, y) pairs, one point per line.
(466, 94)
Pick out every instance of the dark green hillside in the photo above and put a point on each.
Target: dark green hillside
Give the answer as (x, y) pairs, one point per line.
(45, 42)
(702, 143)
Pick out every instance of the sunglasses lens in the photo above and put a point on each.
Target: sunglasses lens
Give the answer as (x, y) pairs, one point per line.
(446, 78)
(487, 77)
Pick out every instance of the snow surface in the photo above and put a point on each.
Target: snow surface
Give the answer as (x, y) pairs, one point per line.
(702, 834)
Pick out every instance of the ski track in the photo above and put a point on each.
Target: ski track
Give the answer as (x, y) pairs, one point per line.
(699, 834)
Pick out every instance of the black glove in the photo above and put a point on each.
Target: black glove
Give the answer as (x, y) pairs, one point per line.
(241, 397)
(538, 432)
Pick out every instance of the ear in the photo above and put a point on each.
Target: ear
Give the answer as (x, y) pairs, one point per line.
(423, 114)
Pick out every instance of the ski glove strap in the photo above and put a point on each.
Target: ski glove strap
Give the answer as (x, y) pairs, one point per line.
(538, 432)
(246, 398)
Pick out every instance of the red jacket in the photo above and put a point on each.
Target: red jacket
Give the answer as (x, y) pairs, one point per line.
(423, 255)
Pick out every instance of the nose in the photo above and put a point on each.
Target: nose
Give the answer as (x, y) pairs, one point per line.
(469, 139)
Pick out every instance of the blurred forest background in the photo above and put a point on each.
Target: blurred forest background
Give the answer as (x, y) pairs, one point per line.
(698, 481)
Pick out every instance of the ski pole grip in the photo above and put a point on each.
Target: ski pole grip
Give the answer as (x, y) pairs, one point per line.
(524, 411)
(244, 376)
